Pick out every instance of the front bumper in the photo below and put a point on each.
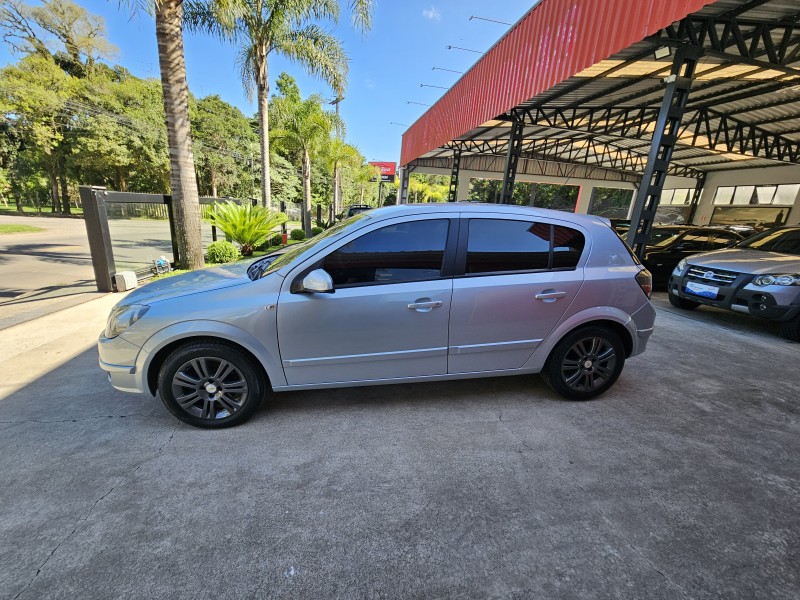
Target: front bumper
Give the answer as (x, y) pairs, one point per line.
(118, 359)
(774, 302)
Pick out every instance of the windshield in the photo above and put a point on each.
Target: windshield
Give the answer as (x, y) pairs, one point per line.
(286, 256)
(786, 241)
(664, 236)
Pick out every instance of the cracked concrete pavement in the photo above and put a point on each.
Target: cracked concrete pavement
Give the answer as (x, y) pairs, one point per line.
(682, 482)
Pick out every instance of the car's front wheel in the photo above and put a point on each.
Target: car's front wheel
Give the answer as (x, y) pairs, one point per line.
(791, 329)
(211, 385)
(585, 363)
(683, 303)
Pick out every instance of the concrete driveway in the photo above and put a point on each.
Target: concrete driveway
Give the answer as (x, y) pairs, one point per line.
(682, 482)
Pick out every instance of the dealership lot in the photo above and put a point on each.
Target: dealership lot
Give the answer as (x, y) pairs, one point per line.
(681, 482)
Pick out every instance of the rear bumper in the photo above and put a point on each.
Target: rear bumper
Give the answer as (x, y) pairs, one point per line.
(643, 321)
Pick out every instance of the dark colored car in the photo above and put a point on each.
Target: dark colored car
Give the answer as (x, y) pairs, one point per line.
(356, 209)
(670, 245)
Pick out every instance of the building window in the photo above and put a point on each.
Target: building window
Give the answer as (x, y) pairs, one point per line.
(678, 196)
(757, 195)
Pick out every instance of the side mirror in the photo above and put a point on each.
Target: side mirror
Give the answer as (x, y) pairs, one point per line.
(687, 246)
(318, 281)
(731, 244)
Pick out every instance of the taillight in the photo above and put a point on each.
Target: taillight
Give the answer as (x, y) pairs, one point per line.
(645, 281)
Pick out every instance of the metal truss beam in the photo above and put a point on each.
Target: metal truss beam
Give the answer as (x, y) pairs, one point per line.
(717, 131)
(581, 149)
(528, 165)
(452, 194)
(738, 39)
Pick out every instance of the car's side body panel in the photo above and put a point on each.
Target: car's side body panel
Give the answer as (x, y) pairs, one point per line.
(364, 332)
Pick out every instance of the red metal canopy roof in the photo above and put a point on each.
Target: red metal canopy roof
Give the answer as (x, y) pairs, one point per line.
(552, 42)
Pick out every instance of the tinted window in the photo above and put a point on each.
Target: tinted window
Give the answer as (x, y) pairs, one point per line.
(721, 240)
(404, 252)
(495, 245)
(567, 247)
(694, 241)
(778, 240)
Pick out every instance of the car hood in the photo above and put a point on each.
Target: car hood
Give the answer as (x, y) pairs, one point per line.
(745, 260)
(194, 282)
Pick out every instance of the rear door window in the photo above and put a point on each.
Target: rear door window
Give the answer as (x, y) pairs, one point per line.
(503, 246)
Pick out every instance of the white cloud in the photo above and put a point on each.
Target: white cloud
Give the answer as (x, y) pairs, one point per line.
(432, 13)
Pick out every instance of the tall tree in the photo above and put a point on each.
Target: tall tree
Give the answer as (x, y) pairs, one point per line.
(36, 91)
(183, 181)
(285, 27)
(77, 36)
(304, 126)
(224, 139)
(340, 155)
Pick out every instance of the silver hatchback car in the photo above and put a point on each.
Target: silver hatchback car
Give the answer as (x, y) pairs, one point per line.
(399, 294)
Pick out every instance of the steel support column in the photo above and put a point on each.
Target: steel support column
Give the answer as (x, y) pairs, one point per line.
(665, 136)
(402, 192)
(512, 159)
(452, 195)
(698, 191)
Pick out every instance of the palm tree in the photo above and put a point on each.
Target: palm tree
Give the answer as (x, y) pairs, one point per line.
(304, 127)
(339, 155)
(183, 181)
(261, 27)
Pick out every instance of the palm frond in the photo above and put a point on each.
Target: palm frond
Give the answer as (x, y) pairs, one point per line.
(247, 225)
(361, 14)
(319, 53)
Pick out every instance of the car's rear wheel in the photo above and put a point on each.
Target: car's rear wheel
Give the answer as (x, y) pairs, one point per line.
(585, 363)
(683, 303)
(211, 385)
(791, 329)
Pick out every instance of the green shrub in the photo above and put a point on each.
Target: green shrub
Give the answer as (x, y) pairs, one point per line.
(222, 252)
(316, 230)
(247, 225)
(297, 234)
(276, 240)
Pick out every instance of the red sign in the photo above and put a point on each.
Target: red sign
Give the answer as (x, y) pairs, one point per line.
(388, 170)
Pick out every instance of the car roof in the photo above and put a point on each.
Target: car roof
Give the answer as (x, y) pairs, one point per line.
(477, 208)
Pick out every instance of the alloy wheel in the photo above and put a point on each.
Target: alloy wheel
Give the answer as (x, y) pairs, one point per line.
(588, 364)
(209, 388)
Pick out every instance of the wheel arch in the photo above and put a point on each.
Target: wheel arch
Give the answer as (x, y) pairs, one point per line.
(161, 345)
(619, 322)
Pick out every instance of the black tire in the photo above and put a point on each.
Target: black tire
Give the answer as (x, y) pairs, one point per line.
(791, 329)
(211, 385)
(585, 363)
(683, 303)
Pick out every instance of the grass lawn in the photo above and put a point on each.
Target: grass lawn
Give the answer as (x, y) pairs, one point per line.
(4, 229)
(11, 209)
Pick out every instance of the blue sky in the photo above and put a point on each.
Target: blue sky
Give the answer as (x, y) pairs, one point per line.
(386, 69)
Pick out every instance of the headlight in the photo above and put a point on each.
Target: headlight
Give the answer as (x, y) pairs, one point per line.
(123, 317)
(763, 280)
(680, 266)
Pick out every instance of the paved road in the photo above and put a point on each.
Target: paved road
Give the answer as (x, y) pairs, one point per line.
(682, 482)
(52, 269)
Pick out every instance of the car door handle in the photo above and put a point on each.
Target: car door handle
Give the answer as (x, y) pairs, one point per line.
(425, 306)
(550, 295)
